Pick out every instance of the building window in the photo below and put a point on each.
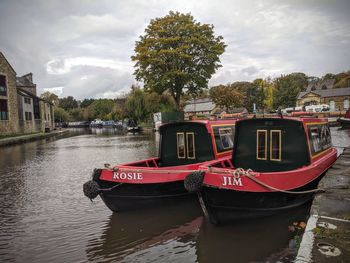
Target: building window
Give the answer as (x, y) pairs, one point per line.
(181, 145)
(332, 105)
(275, 145)
(261, 144)
(27, 100)
(28, 116)
(346, 104)
(4, 113)
(3, 88)
(191, 152)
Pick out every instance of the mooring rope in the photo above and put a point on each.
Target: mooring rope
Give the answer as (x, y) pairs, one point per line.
(236, 172)
(160, 171)
(248, 174)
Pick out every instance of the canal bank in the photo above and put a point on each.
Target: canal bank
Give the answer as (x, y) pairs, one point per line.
(327, 234)
(30, 137)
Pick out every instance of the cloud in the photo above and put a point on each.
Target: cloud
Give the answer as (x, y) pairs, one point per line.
(85, 46)
(65, 65)
(56, 90)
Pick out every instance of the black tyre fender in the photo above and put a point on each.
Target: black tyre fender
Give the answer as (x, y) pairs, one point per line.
(193, 181)
(91, 189)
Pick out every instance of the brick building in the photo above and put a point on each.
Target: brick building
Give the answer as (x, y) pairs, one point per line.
(323, 92)
(21, 110)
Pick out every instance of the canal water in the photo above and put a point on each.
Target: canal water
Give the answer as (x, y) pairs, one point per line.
(44, 216)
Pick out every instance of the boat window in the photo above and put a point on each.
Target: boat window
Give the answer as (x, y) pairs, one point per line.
(223, 135)
(315, 139)
(190, 145)
(275, 145)
(261, 144)
(226, 138)
(320, 138)
(181, 145)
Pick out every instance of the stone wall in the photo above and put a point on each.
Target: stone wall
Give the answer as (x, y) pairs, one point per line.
(11, 125)
(47, 116)
(338, 101)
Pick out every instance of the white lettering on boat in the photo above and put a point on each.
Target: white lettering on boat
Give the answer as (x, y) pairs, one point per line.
(232, 180)
(127, 176)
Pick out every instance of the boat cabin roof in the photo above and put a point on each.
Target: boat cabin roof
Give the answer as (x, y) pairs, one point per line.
(197, 141)
(279, 144)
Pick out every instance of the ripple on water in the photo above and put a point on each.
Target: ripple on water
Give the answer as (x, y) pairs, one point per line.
(46, 218)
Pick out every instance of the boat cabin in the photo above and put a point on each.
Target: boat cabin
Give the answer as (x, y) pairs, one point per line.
(183, 143)
(279, 144)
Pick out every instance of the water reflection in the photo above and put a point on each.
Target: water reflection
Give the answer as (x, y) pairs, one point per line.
(44, 216)
(266, 239)
(149, 235)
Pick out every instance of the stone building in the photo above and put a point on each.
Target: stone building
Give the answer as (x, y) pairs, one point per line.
(8, 98)
(323, 92)
(198, 107)
(21, 110)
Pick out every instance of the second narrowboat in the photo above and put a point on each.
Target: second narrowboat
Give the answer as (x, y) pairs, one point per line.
(276, 165)
(183, 147)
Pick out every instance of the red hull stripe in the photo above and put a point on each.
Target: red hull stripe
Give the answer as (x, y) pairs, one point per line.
(282, 180)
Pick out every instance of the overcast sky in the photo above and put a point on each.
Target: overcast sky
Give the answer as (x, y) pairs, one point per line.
(83, 48)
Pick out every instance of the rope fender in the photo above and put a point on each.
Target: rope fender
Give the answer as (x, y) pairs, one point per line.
(193, 181)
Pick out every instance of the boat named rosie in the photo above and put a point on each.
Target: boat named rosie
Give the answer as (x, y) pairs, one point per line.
(276, 165)
(183, 147)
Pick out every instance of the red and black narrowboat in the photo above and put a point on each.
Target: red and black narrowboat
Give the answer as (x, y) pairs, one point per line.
(345, 121)
(183, 147)
(276, 165)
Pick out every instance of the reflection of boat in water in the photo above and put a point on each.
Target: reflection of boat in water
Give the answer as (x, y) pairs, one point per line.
(132, 126)
(183, 147)
(345, 121)
(133, 236)
(268, 239)
(277, 164)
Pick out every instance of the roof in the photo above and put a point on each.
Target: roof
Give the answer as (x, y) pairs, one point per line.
(23, 92)
(327, 92)
(25, 80)
(207, 123)
(8, 63)
(199, 105)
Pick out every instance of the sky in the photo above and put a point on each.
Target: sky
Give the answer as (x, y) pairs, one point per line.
(82, 48)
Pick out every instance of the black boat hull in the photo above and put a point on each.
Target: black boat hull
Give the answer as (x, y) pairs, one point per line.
(222, 205)
(127, 197)
(344, 122)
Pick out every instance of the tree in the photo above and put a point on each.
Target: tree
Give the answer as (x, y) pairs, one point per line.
(86, 102)
(226, 96)
(68, 103)
(177, 54)
(100, 109)
(135, 104)
(51, 97)
(61, 115)
(287, 89)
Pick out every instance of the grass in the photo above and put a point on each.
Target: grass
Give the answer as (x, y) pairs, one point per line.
(16, 135)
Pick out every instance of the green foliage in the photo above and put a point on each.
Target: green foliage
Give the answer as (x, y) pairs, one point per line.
(226, 96)
(51, 97)
(287, 89)
(177, 53)
(76, 114)
(86, 102)
(135, 104)
(342, 80)
(68, 103)
(100, 109)
(61, 115)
